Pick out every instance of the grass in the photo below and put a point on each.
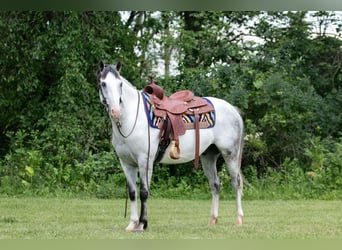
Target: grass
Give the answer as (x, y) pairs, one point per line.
(71, 218)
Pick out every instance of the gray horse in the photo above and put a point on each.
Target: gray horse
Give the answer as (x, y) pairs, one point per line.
(136, 143)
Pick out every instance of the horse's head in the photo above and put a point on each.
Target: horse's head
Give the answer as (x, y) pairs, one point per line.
(110, 88)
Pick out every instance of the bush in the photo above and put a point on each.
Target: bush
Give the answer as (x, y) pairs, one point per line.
(319, 178)
(325, 166)
(27, 169)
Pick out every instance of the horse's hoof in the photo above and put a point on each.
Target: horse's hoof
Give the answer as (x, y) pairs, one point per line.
(139, 228)
(132, 226)
(238, 221)
(213, 221)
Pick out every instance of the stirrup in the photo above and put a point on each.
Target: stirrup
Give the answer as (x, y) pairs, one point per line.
(174, 150)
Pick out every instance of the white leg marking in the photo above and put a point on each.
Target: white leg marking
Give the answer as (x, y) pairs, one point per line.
(239, 210)
(214, 209)
(134, 217)
(131, 226)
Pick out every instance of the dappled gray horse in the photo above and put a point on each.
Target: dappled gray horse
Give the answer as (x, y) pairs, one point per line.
(136, 143)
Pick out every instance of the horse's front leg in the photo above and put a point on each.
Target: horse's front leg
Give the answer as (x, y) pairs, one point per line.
(134, 221)
(145, 180)
(131, 173)
(143, 210)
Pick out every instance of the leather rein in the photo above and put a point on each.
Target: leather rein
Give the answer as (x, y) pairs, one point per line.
(118, 123)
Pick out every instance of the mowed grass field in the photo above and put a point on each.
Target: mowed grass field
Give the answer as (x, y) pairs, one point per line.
(71, 218)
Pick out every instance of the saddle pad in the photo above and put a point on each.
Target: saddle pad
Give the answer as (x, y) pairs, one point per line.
(206, 120)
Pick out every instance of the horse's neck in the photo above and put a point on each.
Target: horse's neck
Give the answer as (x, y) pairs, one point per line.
(129, 106)
(129, 97)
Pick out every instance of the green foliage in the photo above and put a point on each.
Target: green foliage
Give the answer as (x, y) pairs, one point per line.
(181, 182)
(27, 171)
(319, 178)
(52, 124)
(55, 135)
(325, 166)
(287, 113)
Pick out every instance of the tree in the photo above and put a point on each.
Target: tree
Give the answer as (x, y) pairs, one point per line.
(289, 101)
(49, 101)
(282, 69)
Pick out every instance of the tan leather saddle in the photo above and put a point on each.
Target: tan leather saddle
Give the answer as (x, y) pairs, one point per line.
(171, 110)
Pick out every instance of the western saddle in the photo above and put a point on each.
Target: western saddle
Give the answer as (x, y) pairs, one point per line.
(171, 110)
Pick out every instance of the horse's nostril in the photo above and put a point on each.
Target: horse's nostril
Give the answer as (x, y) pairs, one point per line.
(115, 113)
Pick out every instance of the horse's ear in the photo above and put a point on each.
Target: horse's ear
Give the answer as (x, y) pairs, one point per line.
(118, 66)
(101, 65)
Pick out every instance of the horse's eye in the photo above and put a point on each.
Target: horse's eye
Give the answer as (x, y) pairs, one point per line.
(103, 84)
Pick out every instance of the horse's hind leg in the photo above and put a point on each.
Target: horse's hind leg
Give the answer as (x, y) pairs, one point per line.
(233, 164)
(208, 160)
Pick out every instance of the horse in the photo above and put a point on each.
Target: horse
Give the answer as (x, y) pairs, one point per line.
(135, 142)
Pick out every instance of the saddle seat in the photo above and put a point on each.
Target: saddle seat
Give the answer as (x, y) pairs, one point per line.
(171, 110)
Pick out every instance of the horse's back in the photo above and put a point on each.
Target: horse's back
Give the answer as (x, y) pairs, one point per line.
(225, 134)
(228, 129)
(225, 112)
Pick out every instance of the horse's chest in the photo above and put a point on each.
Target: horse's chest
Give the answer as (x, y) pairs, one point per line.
(126, 151)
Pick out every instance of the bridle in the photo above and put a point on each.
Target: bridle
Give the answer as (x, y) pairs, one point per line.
(118, 123)
(104, 99)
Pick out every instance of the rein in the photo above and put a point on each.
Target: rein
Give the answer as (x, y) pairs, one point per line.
(118, 124)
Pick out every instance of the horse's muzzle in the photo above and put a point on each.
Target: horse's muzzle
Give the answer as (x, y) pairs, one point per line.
(115, 113)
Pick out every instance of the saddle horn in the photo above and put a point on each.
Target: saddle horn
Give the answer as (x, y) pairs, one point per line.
(155, 89)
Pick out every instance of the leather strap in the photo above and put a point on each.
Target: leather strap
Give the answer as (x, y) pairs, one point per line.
(164, 141)
(197, 138)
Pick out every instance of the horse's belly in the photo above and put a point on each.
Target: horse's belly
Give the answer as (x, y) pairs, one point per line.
(187, 144)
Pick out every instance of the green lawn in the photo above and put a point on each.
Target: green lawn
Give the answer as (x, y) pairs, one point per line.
(70, 218)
